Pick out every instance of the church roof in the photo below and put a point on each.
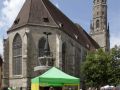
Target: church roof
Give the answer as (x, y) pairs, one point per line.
(44, 13)
(33, 12)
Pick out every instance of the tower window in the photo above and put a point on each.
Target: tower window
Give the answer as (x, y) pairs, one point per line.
(97, 24)
(17, 55)
(103, 7)
(17, 21)
(97, 0)
(104, 1)
(102, 13)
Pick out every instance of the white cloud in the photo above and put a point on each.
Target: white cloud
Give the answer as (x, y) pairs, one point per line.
(1, 23)
(11, 9)
(115, 41)
(114, 28)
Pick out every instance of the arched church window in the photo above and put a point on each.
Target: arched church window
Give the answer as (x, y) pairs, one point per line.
(64, 57)
(41, 46)
(17, 55)
(97, 24)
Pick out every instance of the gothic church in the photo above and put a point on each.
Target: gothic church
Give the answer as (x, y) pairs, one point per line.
(42, 36)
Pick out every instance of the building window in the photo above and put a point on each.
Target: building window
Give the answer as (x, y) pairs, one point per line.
(97, 0)
(17, 21)
(102, 12)
(17, 55)
(41, 46)
(46, 19)
(104, 1)
(97, 24)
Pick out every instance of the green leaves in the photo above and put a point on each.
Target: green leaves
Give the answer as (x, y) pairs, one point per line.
(102, 68)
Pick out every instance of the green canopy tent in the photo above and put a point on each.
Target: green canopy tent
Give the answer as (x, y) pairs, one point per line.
(54, 77)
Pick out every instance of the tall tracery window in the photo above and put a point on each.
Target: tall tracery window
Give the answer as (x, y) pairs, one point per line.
(97, 24)
(17, 55)
(41, 46)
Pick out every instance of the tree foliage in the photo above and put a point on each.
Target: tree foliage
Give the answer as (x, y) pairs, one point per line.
(102, 68)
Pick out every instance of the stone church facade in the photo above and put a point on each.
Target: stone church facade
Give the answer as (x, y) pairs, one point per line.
(41, 37)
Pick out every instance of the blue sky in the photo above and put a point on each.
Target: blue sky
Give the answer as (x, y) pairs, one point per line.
(79, 11)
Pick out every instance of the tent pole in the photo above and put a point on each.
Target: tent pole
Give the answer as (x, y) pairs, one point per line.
(78, 87)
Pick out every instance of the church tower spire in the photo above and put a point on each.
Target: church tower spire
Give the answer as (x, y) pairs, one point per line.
(99, 31)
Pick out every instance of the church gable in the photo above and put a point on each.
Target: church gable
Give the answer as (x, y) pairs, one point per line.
(33, 12)
(22, 17)
(39, 14)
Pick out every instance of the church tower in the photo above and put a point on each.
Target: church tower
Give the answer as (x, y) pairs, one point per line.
(99, 29)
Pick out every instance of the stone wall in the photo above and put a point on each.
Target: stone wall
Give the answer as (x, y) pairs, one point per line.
(5, 66)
